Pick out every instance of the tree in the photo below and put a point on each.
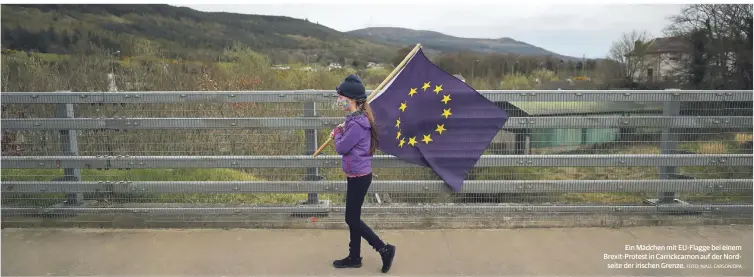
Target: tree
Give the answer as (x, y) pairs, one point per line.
(66, 40)
(724, 34)
(609, 70)
(628, 51)
(569, 68)
(450, 63)
(698, 62)
(400, 55)
(592, 65)
(549, 64)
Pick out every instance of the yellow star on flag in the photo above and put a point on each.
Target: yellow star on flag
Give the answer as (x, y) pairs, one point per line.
(426, 86)
(427, 139)
(399, 135)
(412, 92)
(398, 123)
(403, 107)
(445, 99)
(440, 128)
(401, 142)
(438, 89)
(412, 141)
(446, 113)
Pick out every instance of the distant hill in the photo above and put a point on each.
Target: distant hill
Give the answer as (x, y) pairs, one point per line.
(177, 32)
(443, 42)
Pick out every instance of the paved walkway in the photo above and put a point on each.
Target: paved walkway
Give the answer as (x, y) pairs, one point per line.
(573, 251)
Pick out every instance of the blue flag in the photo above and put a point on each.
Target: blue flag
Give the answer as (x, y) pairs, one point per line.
(428, 117)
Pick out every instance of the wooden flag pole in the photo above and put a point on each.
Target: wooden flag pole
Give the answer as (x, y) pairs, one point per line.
(374, 92)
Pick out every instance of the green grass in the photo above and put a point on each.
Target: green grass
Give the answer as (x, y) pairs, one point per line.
(215, 174)
(200, 174)
(500, 173)
(636, 198)
(720, 146)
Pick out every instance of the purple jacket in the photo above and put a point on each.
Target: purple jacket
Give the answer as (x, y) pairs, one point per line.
(354, 144)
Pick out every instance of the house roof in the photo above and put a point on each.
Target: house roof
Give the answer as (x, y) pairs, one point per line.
(668, 45)
(676, 44)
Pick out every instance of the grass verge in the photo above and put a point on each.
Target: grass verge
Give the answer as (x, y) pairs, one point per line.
(201, 174)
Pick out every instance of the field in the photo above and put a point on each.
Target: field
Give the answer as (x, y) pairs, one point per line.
(243, 69)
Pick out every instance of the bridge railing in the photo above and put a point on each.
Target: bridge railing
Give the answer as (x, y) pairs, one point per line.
(571, 153)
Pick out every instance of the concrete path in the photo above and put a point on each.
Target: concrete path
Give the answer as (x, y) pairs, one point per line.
(573, 251)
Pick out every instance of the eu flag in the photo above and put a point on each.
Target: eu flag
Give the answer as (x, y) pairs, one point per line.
(428, 117)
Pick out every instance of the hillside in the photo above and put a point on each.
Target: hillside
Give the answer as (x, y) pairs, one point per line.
(177, 32)
(443, 42)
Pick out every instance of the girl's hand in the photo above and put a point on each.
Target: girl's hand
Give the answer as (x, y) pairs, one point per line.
(338, 129)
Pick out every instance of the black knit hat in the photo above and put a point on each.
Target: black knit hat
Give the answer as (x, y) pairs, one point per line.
(353, 88)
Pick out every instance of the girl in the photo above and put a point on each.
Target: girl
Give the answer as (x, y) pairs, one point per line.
(356, 141)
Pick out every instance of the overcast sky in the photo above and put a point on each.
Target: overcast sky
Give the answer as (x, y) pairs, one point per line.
(568, 29)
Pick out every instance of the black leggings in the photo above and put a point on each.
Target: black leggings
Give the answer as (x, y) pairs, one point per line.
(357, 190)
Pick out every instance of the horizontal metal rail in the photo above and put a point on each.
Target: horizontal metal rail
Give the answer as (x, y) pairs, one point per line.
(164, 97)
(378, 161)
(379, 186)
(328, 122)
(398, 209)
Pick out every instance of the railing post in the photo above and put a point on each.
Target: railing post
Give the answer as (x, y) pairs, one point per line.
(312, 173)
(669, 145)
(69, 147)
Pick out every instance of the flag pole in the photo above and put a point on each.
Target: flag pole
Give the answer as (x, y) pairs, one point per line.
(378, 88)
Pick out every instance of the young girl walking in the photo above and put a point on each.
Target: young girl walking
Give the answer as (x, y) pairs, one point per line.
(356, 141)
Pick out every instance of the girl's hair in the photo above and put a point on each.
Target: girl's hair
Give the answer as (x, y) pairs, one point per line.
(364, 106)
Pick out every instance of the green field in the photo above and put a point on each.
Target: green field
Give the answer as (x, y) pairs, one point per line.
(245, 69)
(508, 173)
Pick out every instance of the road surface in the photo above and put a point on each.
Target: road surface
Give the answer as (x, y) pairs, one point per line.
(236, 252)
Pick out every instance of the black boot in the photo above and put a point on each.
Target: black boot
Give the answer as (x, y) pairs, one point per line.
(348, 262)
(387, 253)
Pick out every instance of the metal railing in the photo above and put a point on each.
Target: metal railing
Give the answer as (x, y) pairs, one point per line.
(133, 148)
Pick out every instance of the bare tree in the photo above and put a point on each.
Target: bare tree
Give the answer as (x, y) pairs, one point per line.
(722, 34)
(628, 51)
(609, 70)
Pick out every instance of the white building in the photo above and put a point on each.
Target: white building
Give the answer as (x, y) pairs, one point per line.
(333, 66)
(661, 60)
(111, 87)
(281, 67)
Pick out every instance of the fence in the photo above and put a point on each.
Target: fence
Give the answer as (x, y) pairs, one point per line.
(231, 159)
